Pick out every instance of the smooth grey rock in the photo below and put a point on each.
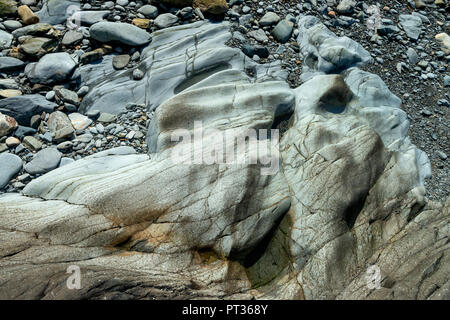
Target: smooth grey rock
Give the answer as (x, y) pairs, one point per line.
(165, 20)
(44, 161)
(22, 131)
(447, 81)
(12, 24)
(120, 32)
(86, 138)
(269, 18)
(83, 91)
(10, 166)
(5, 39)
(187, 12)
(71, 37)
(149, 11)
(413, 58)
(112, 90)
(65, 161)
(22, 108)
(412, 25)
(9, 84)
(10, 64)
(283, 31)
(51, 68)
(38, 46)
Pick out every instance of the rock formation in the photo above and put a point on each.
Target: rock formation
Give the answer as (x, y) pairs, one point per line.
(348, 193)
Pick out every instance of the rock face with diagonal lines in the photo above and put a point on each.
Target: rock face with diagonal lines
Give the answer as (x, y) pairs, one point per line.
(347, 190)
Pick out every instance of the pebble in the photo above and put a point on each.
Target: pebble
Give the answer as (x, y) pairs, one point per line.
(165, 20)
(32, 143)
(138, 74)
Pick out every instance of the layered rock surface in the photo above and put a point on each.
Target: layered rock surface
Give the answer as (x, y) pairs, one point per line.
(348, 192)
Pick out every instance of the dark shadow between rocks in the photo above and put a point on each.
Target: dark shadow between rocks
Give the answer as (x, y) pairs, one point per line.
(251, 256)
(353, 210)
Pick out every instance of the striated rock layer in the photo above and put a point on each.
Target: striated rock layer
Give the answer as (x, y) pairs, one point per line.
(348, 193)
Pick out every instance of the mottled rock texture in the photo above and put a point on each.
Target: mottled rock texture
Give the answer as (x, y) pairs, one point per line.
(348, 193)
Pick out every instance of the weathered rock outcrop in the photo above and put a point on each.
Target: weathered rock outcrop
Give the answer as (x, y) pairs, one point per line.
(175, 59)
(348, 192)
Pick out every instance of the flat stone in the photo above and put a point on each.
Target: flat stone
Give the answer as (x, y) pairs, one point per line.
(51, 68)
(12, 25)
(106, 117)
(149, 11)
(120, 61)
(258, 35)
(65, 161)
(32, 143)
(32, 30)
(22, 108)
(119, 32)
(92, 56)
(71, 37)
(79, 121)
(5, 39)
(37, 46)
(64, 146)
(283, 30)
(10, 166)
(22, 131)
(9, 84)
(10, 64)
(85, 138)
(269, 19)
(44, 161)
(412, 25)
(165, 20)
(413, 58)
